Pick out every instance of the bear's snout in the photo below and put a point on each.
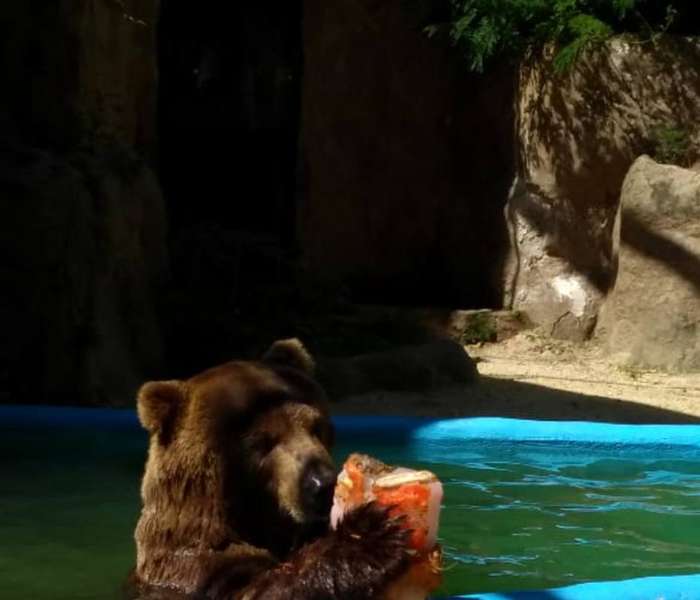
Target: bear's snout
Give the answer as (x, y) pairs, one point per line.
(317, 487)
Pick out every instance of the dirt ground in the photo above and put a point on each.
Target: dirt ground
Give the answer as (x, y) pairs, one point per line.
(532, 376)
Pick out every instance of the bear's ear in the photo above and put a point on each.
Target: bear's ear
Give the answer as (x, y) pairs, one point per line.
(157, 405)
(290, 353)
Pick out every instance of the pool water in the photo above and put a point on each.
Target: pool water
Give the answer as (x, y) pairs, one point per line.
(68, 506)
(517, 515)
(535, 515)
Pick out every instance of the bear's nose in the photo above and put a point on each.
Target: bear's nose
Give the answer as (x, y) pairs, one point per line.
(317, 486)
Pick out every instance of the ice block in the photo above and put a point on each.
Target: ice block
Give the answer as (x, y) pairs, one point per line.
(415, 495)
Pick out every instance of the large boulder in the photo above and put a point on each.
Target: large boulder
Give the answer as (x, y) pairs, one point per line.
(435, 365)
(652, 316)
(83, 245)
(577, 135)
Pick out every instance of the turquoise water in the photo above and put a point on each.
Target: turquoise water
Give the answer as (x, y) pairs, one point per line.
(536, 515)
(518, 515)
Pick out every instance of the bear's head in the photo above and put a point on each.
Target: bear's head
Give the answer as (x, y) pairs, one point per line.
(238, 453)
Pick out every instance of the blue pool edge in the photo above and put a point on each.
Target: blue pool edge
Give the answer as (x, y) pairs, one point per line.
(677, 587)
(414, 428)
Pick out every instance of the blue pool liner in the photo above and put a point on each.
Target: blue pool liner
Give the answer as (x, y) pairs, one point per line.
(495, 428)
(678, 587)
(411, 428)
(429, 431)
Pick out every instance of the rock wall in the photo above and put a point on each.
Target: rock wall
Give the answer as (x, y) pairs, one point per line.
(82, 226)
(652, 316)
(73, 67)
(406, 159)
(84, 244)
(577, 135)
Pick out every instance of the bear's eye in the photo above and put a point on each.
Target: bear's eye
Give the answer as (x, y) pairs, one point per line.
(263, 443)
(319, 431)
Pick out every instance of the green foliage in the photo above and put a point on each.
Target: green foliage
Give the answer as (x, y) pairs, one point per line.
(479, 328)
(586, 31)
(671, 145)
(485, 30)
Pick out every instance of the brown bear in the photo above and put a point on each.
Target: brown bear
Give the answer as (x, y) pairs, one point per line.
(238, 488)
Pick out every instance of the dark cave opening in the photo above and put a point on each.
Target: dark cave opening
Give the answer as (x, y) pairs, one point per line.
(229, 96)
(229, 114)
(230, 160)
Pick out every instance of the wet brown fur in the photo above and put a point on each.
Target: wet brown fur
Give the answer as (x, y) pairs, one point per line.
(222, 513)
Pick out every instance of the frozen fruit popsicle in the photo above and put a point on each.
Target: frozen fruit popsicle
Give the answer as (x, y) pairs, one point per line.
(416, 495)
